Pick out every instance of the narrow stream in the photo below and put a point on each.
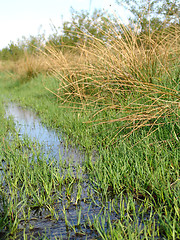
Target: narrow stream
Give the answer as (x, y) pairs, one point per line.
(28, 124)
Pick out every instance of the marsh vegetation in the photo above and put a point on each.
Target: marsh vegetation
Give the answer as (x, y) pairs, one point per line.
(111, 91)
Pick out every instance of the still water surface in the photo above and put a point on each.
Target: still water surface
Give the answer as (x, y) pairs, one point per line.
(29, 124)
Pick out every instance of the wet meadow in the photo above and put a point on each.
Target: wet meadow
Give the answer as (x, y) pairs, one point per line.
(89, 145)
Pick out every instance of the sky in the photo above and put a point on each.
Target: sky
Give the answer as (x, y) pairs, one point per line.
(20, 18)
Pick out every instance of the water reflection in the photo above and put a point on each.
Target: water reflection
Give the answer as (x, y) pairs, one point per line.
(28, 123)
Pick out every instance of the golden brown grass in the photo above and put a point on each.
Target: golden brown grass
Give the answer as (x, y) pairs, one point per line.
(27, 66)
(7, 66)
(135, 75)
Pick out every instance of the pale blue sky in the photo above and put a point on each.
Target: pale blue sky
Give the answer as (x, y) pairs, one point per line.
(24, 17)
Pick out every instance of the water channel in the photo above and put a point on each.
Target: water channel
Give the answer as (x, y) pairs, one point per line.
(29, 124)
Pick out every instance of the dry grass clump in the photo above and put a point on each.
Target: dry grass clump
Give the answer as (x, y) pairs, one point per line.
(7, 66)
(1, 65)
(31, 65)
(135, 75)
(26, 67)
(67, 67)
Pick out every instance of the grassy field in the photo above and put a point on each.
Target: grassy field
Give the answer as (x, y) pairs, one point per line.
(121, 101)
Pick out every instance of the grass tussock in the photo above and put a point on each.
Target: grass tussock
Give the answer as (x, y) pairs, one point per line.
(26, 67)
(32, 65)
(134, 75)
